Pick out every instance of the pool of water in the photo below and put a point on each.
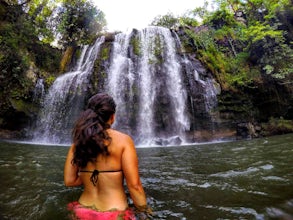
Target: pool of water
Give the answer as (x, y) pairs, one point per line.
(233, 180)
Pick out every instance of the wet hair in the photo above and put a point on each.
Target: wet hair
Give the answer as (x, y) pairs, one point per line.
(90, 135)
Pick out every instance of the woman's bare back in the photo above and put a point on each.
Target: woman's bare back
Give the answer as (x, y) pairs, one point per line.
(108, 191)
(115, 159)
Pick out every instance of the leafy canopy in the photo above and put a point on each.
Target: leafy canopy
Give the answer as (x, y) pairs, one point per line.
(79, 21)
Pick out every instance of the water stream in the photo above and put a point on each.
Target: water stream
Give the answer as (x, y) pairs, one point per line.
(152, 84)
(231, 180)
(65, 100)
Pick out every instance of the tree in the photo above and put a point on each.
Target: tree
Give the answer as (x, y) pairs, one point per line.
(221, 18)
(265, 37)
(41, 15)
(201, 12)
(188, 19)
(168, 21)
(79, 21)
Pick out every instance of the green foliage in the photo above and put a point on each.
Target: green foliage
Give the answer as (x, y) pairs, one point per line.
(12, 62)
(220, 18)
(188, 21)
(79, 22)
(50, 80)
(264, 35)
(269, 50)
(22, 55)
(231, 71)
(224, 32)
(200, 12)
(135, 42)
(46, 57)
(239, 71)
(168, 21)
(264, 10)
(105, 53)
(158, 48)
(40, 14)
(239, 49)
(260, 31)
(22, 106)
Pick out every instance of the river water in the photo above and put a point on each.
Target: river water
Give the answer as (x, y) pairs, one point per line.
(231, 180)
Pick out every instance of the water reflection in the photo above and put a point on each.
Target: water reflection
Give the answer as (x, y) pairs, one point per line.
(236, 180)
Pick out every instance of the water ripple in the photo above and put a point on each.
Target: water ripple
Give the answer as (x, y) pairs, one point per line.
(233, 173)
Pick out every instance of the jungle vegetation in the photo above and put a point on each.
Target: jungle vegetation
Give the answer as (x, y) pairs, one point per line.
(240, 39)
(35, 35)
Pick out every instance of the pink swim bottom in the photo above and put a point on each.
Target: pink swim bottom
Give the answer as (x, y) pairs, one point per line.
(80, 212)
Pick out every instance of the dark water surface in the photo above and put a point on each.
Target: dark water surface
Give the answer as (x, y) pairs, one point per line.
(235, 180)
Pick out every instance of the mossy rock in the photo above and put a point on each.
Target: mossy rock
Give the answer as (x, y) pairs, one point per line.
(21, 106)
(277, 126)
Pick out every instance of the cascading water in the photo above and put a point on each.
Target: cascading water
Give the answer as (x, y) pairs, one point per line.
(65, 100)
(147, 81)
(39, 90)
(120, 81)
(158, 91)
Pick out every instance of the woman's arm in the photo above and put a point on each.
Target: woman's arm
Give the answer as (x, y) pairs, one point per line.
(71, 177)
(130, 170)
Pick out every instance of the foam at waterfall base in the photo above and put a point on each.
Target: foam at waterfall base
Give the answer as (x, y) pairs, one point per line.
(159, 141)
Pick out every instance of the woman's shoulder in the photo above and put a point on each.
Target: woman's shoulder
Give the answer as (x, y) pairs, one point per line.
(120, 136)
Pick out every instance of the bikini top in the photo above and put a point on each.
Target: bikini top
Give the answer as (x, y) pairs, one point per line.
(95, 174)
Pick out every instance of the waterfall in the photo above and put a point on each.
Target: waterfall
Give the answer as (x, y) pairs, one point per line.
(39, 91)
(121, 80)
(141, 82)
(65, 100)
(162, 94)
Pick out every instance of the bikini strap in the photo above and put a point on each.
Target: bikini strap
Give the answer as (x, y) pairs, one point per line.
(95, 174)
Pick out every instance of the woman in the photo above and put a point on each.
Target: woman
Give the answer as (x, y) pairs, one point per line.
(99, 159)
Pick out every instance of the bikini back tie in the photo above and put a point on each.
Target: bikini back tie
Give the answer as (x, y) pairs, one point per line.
(95, 174)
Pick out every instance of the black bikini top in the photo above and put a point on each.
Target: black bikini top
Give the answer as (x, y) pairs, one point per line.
(95, 174)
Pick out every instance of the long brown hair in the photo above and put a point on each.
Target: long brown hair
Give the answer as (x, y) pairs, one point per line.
(90, 131)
